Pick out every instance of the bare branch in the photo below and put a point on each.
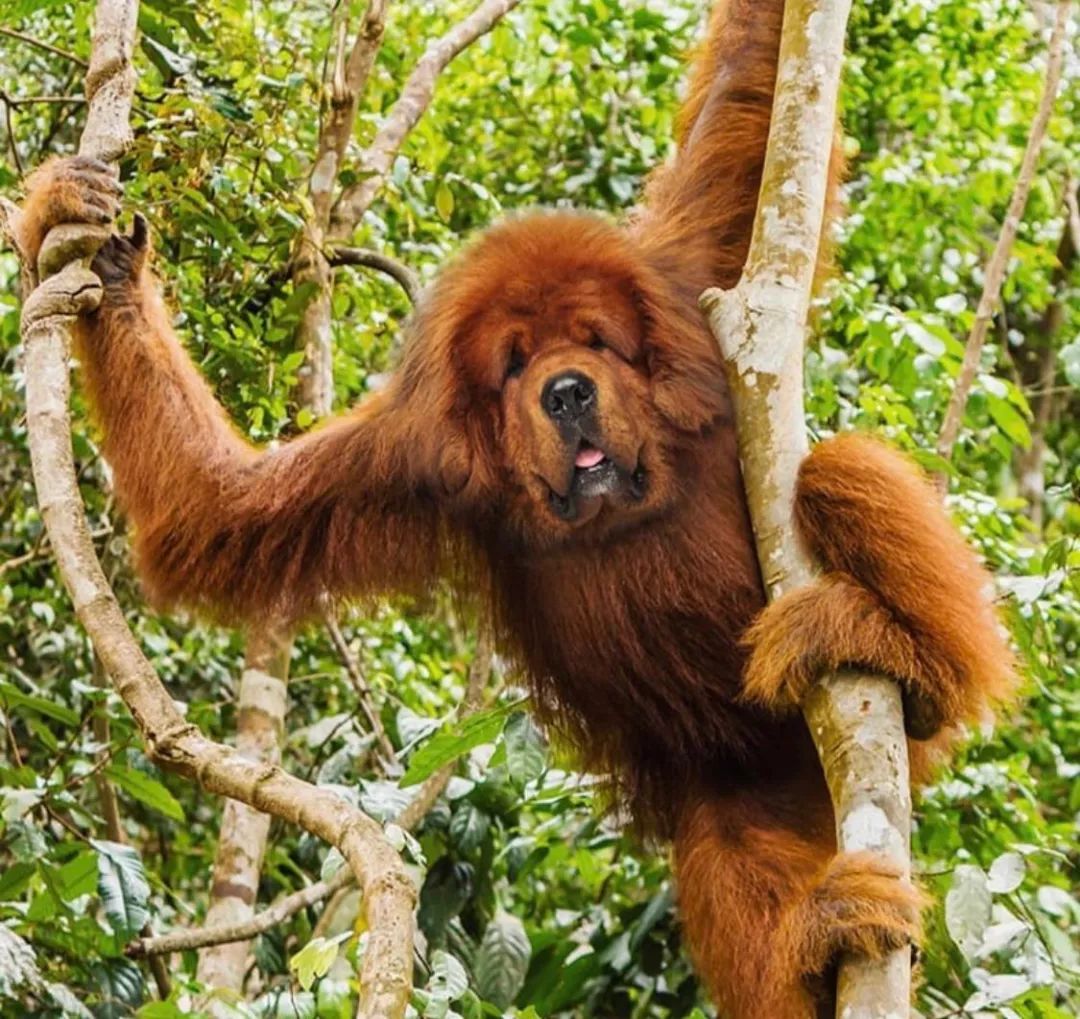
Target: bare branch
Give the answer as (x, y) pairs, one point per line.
(761, 326)
(288, 906)
(360, 684)
(399, 272)
(414, 100)
(32, 100)
(48, 316)
(47, 47)
(999, 260)
(309, 265)
(281, 911)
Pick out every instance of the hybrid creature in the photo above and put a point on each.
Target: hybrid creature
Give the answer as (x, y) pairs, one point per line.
(559, 438)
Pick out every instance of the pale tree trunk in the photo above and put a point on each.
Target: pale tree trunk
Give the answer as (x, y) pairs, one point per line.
(856, 721)
(260, 728)
(310, 266)
(68, 288)
(262, 694)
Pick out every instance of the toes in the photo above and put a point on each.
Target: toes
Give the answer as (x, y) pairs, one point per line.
(923, 717)
(862, 906)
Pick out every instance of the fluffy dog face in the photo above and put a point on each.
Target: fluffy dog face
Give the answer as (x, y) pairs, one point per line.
(557, 387)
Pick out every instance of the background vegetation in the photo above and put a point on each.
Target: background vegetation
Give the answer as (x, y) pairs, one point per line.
(532, 901)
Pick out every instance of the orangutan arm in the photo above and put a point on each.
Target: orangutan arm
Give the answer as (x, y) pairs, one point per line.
(219, 525)
(699, 210)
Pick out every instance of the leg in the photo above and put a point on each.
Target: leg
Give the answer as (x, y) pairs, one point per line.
(901, 594)
(767, 908)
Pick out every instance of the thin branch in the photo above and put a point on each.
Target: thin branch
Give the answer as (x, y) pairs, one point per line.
(32, 100)
(411, 105)
(67, 290)
(203, 937)
(999, 260)
(1073, 205)
(399, 272)
(309, 266)
(360, 684)
(761, 325)
(9, 107)
(46, 46)
(288, 906)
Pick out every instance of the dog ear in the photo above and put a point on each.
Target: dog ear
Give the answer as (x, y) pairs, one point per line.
(686, 371)
(430, 392)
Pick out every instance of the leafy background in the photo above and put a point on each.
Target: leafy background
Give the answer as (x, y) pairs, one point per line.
(532, 902)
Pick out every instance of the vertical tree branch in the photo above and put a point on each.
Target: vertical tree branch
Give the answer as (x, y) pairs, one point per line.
(310, 266)
(68, 289)
(262, 702)
(999, 260)
(414, 100)
(761, 326)
(263, 693)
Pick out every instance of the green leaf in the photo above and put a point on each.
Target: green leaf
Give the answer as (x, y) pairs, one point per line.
(452, 741)
(967, 909)
(146, 790)
(526, 749)
(78, 876)
(444, 201)
(122, 887)
(448, 982)
(468, 827)
(1070, 362)
(315, 959)
(1009, 420)
(14, 696)
(503, 960)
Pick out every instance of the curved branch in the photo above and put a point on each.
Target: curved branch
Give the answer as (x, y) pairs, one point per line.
(761, 325)
(399, 272)
(288, 906)
(48, 317)
(414, 100)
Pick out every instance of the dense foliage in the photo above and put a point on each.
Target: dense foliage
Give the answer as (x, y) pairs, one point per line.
(532, 902)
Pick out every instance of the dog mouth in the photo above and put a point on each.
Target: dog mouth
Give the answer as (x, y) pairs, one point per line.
(595, 476)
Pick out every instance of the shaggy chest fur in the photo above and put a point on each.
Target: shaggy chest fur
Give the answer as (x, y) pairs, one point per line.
(632, 649)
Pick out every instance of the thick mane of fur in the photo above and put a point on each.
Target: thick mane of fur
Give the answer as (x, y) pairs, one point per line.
(557, 442)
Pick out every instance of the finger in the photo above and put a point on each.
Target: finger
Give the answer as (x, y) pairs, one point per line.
(139, 232)
(90, 163)
(97, 181)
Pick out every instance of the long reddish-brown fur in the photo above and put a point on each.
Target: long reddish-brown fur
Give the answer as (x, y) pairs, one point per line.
(632, 597)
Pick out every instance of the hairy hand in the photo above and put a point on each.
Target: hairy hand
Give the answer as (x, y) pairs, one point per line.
(73, 190)
(121, 258)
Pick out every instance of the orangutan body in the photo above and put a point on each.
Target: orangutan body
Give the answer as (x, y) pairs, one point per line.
(559, 438)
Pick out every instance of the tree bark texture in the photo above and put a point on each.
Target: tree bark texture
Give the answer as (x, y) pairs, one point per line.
(761, 325)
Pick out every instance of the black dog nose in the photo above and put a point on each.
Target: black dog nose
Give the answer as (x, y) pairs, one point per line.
(568, 396)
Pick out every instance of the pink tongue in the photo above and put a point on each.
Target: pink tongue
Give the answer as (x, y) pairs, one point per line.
(588, 456)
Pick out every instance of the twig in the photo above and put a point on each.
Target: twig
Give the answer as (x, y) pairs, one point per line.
(31, 100)
(288, 906)
(46, 46)
(1073, 206)
(399, 272)
(856, 721)
(308, 264)
(9, 106)
(360, 684)
(999, 260)
(68, 289)
(414, 100)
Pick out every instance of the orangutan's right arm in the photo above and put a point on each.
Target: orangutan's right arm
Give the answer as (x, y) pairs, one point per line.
(219, 525)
